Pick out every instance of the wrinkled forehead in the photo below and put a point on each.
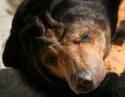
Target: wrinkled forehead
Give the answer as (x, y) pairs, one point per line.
(80, 10)
(78, 17)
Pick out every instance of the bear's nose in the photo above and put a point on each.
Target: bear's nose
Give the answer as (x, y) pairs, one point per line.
(85, 79)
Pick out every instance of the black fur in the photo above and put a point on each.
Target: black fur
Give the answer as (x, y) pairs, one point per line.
(28, 16)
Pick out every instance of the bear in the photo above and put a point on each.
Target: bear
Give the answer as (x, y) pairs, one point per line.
(60, 47)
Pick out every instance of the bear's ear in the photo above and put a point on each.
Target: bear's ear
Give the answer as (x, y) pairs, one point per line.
(12, 54)
(20, 43)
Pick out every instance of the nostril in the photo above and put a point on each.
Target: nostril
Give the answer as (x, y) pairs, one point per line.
(85, 79)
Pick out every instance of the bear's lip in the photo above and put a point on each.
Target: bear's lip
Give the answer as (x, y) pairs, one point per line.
(81, 90)
(85, 90)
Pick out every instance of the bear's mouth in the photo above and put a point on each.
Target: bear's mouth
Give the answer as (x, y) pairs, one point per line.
(85, 82)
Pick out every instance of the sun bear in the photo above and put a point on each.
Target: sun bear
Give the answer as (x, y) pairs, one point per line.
(62, 45)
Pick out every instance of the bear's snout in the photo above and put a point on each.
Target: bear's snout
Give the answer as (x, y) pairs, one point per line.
(84, 80)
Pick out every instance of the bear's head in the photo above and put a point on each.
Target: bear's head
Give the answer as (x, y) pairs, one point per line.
(67, 39)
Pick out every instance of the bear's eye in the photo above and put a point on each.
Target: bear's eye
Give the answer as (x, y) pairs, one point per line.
(50, 59)
(86, 37)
